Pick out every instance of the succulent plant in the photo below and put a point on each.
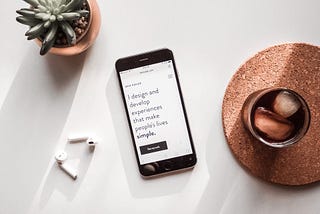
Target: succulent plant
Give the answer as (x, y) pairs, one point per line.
(46, 17)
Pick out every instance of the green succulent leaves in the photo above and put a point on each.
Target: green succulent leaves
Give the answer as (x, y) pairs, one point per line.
(67, 29)
(35, 31)
(49, 39)
(45, 17)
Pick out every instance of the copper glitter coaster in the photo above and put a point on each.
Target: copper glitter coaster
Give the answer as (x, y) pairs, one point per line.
(295, 66)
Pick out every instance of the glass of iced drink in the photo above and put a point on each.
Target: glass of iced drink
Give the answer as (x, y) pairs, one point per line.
(277, 117)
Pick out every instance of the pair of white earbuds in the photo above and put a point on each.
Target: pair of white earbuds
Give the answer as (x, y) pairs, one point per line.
(62, 156)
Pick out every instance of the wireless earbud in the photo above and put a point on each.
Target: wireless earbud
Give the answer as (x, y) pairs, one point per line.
(91, 143)
(61, 157)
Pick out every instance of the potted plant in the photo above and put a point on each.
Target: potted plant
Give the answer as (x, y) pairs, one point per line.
(62, 27)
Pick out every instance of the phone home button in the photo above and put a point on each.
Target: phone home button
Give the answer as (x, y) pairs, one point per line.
(167, 165)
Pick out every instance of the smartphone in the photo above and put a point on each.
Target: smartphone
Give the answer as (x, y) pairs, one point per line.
(156, 113)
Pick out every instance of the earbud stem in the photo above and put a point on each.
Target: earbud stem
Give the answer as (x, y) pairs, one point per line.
(74, 139)
(69, 170)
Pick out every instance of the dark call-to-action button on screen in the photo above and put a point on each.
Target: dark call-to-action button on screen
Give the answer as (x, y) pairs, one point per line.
(155, 147)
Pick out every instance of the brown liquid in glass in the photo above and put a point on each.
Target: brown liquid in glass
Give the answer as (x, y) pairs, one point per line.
(266, 101)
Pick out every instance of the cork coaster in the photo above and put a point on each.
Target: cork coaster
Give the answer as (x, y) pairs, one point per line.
(297, 67)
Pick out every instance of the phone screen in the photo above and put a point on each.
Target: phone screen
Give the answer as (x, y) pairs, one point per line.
(156, 112)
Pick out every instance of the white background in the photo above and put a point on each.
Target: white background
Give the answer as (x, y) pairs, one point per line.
(43, 99)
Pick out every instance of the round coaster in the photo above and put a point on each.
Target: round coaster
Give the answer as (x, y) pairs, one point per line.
(297, 67)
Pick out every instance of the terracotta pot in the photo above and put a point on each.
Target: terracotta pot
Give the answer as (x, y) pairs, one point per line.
(89, 37)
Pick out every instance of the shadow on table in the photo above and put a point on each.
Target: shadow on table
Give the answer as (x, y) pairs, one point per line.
(31, 120)
(138, 186)
(236, 191)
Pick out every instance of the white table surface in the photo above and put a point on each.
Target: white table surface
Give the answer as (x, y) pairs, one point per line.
(44, 99)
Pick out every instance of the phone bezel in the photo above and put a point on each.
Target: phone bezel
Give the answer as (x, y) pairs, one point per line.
(167, 165)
